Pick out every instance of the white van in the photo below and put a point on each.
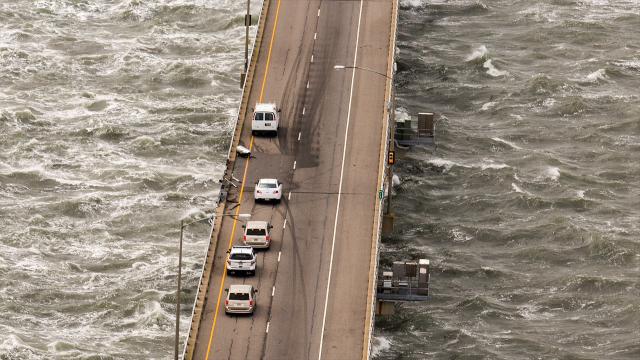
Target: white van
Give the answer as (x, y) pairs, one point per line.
(265, 119)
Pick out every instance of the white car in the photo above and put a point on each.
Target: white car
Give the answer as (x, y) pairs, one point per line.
(241, 299)
(256, 234)
(268, 189)
(241, 259)
(265, 119)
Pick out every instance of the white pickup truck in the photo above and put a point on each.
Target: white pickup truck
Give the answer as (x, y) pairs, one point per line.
(266, 119)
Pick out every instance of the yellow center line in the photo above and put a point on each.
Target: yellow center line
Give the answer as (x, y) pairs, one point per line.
(244, 178)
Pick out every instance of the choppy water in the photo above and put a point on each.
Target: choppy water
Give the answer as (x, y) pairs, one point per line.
(114, 124)
(529, 208)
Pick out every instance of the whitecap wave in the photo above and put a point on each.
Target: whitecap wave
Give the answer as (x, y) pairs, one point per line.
(460, 236)
(442, 163)
(511, 144)
(629, 64)
(478, 53)
(379, 345)
(552, 173)
(489, 105)
(519, 190)
(492, 70)
(492, 165)
(593, 77)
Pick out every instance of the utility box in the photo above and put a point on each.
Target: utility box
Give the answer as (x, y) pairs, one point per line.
(411, 132)
(423, 277)
(407, 281)
(404, 130)
(387, 224)
(425, 125)
(385, 308)
(387, 281)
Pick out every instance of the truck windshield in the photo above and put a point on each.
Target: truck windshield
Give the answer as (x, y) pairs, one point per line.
(256, 232)
(239, 296)
(241, 256)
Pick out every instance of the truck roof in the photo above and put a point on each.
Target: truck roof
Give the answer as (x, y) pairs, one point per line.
(240, 288)
(242, 249)
(265, 107)
(257, 224)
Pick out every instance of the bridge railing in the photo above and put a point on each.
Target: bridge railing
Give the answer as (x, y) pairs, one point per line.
(207, 267)
(377, 226)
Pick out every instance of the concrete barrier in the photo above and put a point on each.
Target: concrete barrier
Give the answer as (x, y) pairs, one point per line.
(201, 295)
(377, 223)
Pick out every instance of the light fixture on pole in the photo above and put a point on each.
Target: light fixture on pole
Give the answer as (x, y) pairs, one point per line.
(343, 67)
(391, 109)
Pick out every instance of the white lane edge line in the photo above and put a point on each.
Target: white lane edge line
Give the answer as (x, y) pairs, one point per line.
(312, 58)
(299, 135)
(344, 154)
(273, 291)
(307, 81)
(304, 109)
(318, 12)
(279, 253)
(289, 197)
(284, 225)
(315, 36)
(294, 166)
(267, 329)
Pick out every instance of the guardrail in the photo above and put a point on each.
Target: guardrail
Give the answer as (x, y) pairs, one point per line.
(377, 223)
(201, 295)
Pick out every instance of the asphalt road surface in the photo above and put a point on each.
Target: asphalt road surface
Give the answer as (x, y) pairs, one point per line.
(313, 282)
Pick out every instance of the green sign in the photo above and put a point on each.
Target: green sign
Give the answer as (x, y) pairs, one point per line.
(381, 194)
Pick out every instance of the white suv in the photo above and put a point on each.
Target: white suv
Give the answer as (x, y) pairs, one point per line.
(256, 234)
(241, 259)
(265, 119)
(268, 189)
(241, 299)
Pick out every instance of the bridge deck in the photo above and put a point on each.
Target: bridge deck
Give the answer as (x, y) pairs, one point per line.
(328, 153)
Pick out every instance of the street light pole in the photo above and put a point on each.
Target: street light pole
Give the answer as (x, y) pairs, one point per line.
(177, 342)
(342, 67)
(247, 23)
(241, 217)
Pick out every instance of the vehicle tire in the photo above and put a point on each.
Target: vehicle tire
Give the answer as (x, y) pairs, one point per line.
(253, 132)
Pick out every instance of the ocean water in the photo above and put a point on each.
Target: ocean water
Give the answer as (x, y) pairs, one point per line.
(115, 118)
(529, 205)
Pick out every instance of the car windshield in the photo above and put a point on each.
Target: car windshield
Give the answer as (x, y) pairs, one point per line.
(268, 185)
(256, 232)
(239, 296)
(259, 116)
(241, 256)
